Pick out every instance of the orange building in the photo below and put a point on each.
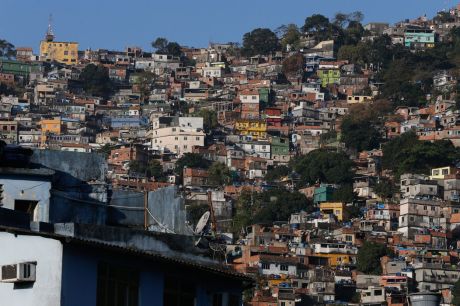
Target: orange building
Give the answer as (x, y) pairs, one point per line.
(50, 126)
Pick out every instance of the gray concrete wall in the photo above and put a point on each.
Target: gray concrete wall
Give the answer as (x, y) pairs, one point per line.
(81, 166)
(167, 211)
(126, 208)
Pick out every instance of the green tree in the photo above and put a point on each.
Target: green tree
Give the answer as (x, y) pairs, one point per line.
(322, 29)
(325, 167)
(385, 189)
(151, 169)
(210, 121)
(368, 259)
(260, 41)
(276, 173)
(268, 207)
(96, 80)
(174, 49)
(359, 133)
(279, 204)
(407, 154)
(163, 46)
(191, 160)
(289, 35)
(6, 49)
(244, 211)
(456, 293)
(160, 44)
(293, 66)
(145, 80)
(316, 23)
(106, 149)
(219, 174)
(344, 193)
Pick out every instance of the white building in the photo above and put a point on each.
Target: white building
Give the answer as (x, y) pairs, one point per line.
(256, 148)
(177, 134)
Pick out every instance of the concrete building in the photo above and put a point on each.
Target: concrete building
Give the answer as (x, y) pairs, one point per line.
(177, 134)
(9, 131)
(432, 277)
(418, 185)
(116, 267)
(415, 214)
(59, 51)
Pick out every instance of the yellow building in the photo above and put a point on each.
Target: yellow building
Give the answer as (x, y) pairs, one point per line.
(337, 259)
(50, 126)
(333, 208)
(359, 99)
(59, 51)
(440, 173)
(257, 129)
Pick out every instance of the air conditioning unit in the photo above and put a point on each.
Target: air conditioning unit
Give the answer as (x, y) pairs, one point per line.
(18, 273)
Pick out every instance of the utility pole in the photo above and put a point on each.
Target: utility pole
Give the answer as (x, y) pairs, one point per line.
(213, 216)
(146, 226)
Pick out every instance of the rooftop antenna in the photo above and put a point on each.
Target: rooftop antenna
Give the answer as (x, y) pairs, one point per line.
(49, 33)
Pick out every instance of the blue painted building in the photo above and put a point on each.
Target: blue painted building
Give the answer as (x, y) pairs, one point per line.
(419, 38)
(101, 266)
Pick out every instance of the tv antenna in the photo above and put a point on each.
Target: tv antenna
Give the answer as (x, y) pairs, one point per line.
(49, 33)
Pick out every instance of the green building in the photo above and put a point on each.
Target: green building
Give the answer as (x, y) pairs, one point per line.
(265, 96)
(419, 38)
(20, 68)
(279, 146)
(329, 76)
(323, 193)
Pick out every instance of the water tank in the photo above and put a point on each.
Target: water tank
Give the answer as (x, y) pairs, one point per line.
(425, 299)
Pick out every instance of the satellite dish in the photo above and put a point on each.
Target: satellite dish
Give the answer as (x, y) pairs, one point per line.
(202, 223)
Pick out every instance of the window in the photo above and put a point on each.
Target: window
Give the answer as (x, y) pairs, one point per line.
(217, 299)
(198, 138)
(265, 266)
(377, 292)
(348, 238)
(117, 286)
(185, 138)
(433, 208)
(284, 267)
(26, 206)
(178, 292)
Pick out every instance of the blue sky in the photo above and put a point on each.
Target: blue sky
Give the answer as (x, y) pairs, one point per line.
(115, 24)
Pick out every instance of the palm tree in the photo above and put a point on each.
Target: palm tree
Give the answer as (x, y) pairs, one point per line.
(6, 49)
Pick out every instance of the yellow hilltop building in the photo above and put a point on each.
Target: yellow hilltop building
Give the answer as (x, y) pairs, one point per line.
(58, 51)
(333, 208)
(257, 129)
(50, 126)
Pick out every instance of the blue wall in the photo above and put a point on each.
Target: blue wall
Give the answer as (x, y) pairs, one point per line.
(79, 277)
